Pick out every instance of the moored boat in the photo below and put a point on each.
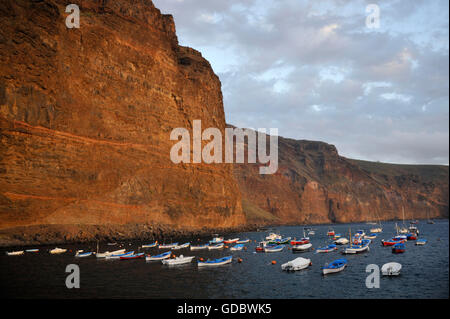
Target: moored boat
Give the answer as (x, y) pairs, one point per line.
(231, 241)
(243, 241)
(335, 266)
(326, 249)
(185, 245)
(391, 269)
(341, 241)
(117, 256)
(57, 251)
(81, 253)
(215, 262)
(389, 242)
(216, 240)
(237, 247)
(273, 236)
(421, 241)
(169, 246)
(273, 249)
(14, 253)
(370, 236)
(109, 253)
(302, 241)
(178, 260)
(205, 246)
(34, 250)
(296, 264)
(218, 246)
(132, 256)
(150, 245)
(301, 248)
(398, 248)
(331, 232)
(162, 256)
(411, 236)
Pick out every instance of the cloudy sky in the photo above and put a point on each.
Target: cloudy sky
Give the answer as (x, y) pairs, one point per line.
(316, 71)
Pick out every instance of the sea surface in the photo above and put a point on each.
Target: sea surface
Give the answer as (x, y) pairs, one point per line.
(425, 272)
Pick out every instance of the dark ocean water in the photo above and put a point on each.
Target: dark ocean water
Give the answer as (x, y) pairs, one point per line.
(425, 272)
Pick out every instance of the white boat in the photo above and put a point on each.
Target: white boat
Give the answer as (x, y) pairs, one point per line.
(57, 251)
(341, 241)
(215, 262)
(237, 247)
(296, 264)
(205, 246)
(185, 245)
(81, 253)
(242, 241)
(150, 245)
(117, 256)
(178, 260)
(376, 230)
(170, 246)
(231, 241)
(162, 256)
(14, 253)
(311, 232)
(273, 236)
(216, 240)
(109, 253)
(34, 250)
(391, 269)
(326, 249)
(218, 246)
(355, 249)
(304, 247)
(335, 266)
(421, 242)
(273, 249)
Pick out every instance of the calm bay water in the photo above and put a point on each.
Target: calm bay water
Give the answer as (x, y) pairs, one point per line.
(425, 272)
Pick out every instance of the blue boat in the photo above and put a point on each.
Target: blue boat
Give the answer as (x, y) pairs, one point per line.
(237, 247)
(273, 249)
(120, 255)
(398, 248)
(421, 242)
(326, 249)
(335, 266)
(159, 257)
(215, 262)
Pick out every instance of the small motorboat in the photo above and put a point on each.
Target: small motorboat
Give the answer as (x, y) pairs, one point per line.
(376, 230)
(150, 245)
(216, 240)
(391, 269)
(400, 238)
(185, 245)
(14, 253)
(390, 242)
(117, 256)
(311, 233)
(178, 260)
(35, 250)
(421, 242)
(371, 236)
(111, 244)
(302, 241)
(169, 246)
(273, 236)
(215, 262)
(57, 251)
(231, 241)
(335, 266)
(218, 246)
(326, 249)
(398, 248)
(411, 236)
(133, 256)
(205, 246)
(355, 249)
(260, 247)
(109, 253)
(237, 247)
(331, 232)
(81, 253)
(341, 241)
(243, 241)
(273, 248)
(301, 248)
(162, 256)
(296, 264)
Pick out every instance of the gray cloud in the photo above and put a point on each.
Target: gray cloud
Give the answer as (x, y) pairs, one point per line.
(313, 69)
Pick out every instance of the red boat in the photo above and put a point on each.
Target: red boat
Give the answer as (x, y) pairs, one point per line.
(302, 241)
(140, 255)
(391, 242)
(398, 248)
(412, 237)
(331, 233)
(230, 241)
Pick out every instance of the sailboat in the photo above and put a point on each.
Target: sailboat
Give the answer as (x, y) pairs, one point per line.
(403, 230)
(378, 229)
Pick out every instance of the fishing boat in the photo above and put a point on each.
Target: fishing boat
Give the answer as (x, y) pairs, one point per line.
(302, 248)
(296, 264)
(133, 256)
(413, 229)
(273, 236)
(260, 247)
(158, 257)
(150, 245)
(398, 248)
(357, 248)
(341, 241)
(34, 250)
(231, 241)
(81, 253)
(14, 253)
(168, 246)
(243, 241)
(335, 266)
(273, 249)
(390, 242)
(371, 236)
(411, 236)
(205, 246)
(109, 253)
(218, 246)
(331, 232)
(185, 245)
(302, 241)
(215, 262)
(391, 269)
(57, 251)
(326, 249)
(279, 241)
(178, 260)
(237, 247)
(117, 256)
(216, 240)
(421, 241)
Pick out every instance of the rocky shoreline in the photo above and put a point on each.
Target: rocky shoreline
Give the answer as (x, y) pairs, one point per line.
(38, 235)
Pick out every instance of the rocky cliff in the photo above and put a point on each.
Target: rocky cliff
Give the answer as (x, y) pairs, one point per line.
(86, 116)
(315, 185)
